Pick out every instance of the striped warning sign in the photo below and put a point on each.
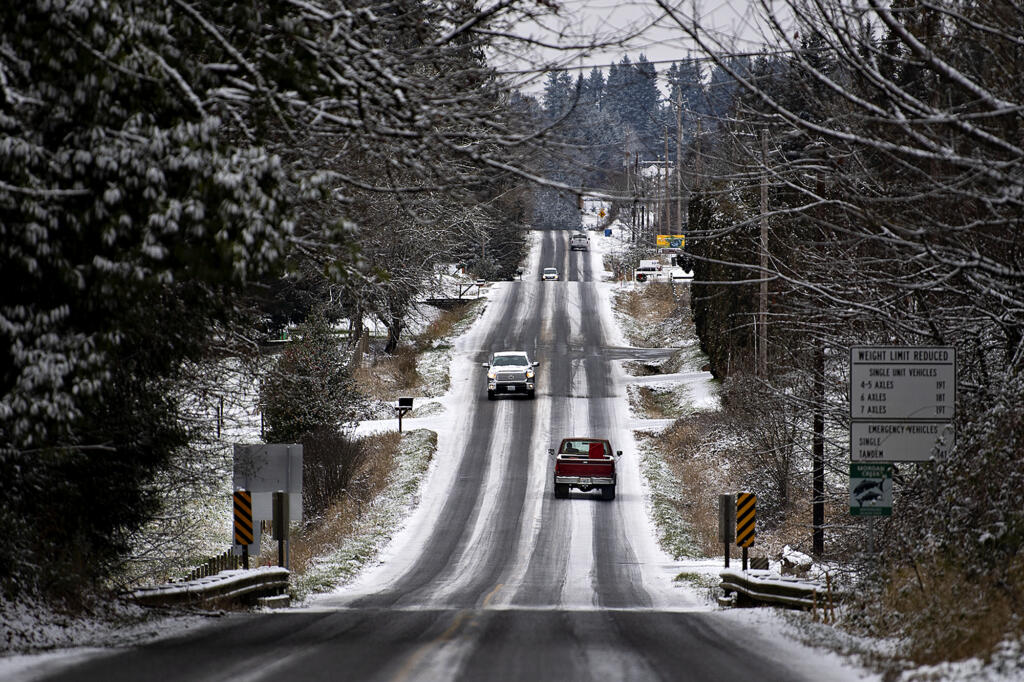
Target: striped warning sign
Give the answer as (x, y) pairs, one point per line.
(746, 504)
(243, 517)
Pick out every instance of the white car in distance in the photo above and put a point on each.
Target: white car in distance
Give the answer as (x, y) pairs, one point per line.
(549, 274)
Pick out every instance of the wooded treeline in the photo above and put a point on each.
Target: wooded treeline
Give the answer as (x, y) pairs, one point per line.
(887, 137)
(601, 126)
(179, 180)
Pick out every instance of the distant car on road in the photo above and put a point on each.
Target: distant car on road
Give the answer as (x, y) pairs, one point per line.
(579, 242)
(510, 371)
(549, 274)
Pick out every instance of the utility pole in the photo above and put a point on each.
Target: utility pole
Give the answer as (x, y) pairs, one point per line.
(762, 310)
(666, 222)
(679, 154)
(698, 165)
(818, 452)
(818, 437)
(639, 207)
(631, 188)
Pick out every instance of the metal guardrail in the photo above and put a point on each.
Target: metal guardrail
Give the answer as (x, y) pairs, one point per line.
(232, 586)
(753, 588)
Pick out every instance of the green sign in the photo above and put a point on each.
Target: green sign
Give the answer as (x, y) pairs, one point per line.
(871, 488)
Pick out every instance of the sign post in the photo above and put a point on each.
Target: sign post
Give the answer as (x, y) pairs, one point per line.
(281, 529)
(726, 522)
(403, 407)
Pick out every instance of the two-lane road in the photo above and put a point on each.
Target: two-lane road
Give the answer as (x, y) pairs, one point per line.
(493, 578)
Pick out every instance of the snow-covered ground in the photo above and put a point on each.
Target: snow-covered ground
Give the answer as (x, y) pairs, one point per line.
(686, 583)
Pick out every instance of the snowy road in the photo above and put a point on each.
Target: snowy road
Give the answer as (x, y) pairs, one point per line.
(492, 577)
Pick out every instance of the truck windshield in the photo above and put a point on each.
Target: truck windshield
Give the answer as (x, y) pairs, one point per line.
(509, 360)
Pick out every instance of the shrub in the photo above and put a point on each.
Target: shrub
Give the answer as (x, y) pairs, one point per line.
(309, 388)
(329, 461)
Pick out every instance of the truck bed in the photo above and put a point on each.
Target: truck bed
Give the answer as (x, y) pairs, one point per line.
(584, 467)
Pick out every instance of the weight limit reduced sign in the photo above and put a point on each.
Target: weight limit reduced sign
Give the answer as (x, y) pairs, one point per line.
(902, 401)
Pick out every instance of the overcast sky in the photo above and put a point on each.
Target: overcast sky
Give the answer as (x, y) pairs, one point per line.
(658, 38)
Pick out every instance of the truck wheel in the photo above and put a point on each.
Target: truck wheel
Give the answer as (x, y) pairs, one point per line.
(608, 492)
(561, 490)
(490, 395)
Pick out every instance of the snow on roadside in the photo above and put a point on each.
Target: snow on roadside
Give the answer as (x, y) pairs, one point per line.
(58, 640)
(376, 527)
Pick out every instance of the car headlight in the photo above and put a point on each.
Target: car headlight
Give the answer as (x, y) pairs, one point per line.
(529, 374)
(490, 375)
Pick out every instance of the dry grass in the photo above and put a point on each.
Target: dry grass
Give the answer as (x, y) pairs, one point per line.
(637, 368)
(683, 444)
(655, 404)
(651, 314)
(323, 535)
(696, 455)
(952, 616)
(652, 303)
(388, 375)
(442, 326)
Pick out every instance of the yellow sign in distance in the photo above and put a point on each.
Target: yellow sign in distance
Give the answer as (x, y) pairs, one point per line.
(600, 213)
(671, 241)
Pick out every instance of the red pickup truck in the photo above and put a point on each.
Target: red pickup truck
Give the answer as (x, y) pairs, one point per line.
(585, 463)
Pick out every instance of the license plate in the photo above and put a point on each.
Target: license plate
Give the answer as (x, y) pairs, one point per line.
(584, 481)
(510, 388)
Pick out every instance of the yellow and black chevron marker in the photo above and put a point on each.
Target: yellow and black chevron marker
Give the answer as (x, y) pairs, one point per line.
(746, 514)
(243, 517)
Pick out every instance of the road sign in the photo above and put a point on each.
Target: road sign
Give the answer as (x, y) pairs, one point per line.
(266, 469)
(243, 517)
(902, 402)
(899, 441)
(670, 241)
(900, 382)
(746, 515)
(870, 489)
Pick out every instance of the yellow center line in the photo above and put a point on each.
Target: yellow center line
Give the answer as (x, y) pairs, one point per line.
(491, 594)
(414, 660)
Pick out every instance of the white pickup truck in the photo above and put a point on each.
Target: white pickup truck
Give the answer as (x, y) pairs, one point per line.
(511, 371)
(579, 242)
